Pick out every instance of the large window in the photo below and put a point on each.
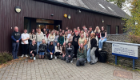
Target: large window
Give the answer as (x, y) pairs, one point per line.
(108, 29)
(117, 29)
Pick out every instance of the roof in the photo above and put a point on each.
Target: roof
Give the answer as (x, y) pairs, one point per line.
(100, 6)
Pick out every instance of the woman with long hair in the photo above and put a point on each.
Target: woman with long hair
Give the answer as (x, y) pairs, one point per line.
(46, 36)
(32, 36)
(56, 38)
(88, 47)
(81, 56)
(50, 50)
(93, 43)
(65, 37)
(60, 39)
(51, 37)
(103, 36)
(97, 32)
(58, 50)
(83, 40)
(63, 52)
(69, 53)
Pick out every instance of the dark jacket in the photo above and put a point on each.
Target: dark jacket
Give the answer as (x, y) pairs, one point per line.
(75, 40)
(81, 54)
(33, 48)
(93, 43)
(16, 36)
(51, 48)
(42, 47)
(69, 51)
(61, 40)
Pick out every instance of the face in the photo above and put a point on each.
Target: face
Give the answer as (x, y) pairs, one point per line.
(87, 35)
(81, 45)
(90, 29)
(33, 30)
(69, 44)
(57, 44)
(44, 29)
(51, 43)
(63, 31)
(66, 33)
(82, 36)
(46, 32)
(43, 41)
(60, 34)
(16, 29)
(25, 31)
(97, 28)
(102, 28)
(52, 32)
(33, 41)
(39, 30)
(76, 33)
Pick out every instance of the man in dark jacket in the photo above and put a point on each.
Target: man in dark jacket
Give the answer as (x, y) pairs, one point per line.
(16, 37)
(69, 53)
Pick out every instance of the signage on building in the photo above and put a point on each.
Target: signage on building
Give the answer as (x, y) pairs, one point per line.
(128, 51)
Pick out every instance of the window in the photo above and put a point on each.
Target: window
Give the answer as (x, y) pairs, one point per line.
(117, 29)
(108, 29)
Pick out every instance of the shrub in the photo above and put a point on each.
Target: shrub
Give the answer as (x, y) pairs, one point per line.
(134, 39)
(5, 56)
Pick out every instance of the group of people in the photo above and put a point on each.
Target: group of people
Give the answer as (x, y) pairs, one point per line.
(67, 44)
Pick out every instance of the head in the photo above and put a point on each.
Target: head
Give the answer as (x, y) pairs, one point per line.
(58, 44)
(46, 27)
(69, 43)
(102, 28)
(52, 32)
(57, 33)
(76, 33)
(92, 35)
(43, 41)
(66, 33)
(36, 29)
(61, 34)
(60, 30)
(33, 30)
(82, 32)
(82, 35)
(33, 41)
(25, 30)
(90, 28)
(84, 27)
(16, 29)
(87, 35)
(78, 28)
(46, 32)
(63, 31)
(39, 30)
(81, 45)
(51, 43)
(49, 31)
(67, 28)
(74, 29)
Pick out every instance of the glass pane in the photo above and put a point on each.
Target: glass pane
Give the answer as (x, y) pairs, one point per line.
(44, 21)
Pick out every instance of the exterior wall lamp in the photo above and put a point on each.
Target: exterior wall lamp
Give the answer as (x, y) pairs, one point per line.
(17, 9)
(103, 21)
(69, 16)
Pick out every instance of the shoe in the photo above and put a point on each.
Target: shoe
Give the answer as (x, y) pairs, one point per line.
(26, 55)
(91, 63)
(55, 57)
(30, 57)
(71, 61)
(34, 58)
(100, 49)
(22, 55)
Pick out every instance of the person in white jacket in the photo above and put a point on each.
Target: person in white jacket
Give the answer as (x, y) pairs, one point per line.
(39, 38)
(51, 37)
(58, 50)
(46, 36)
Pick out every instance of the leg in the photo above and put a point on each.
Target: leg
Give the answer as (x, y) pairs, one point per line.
(40, 53)
(88, 55)
(101, 45)
(43, 55)
(92, 54)
(14, 50)
(78, 63)
(37, 47)
(82, 62)
(26, 49)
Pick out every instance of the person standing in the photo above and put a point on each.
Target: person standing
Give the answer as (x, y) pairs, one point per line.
(93, 43)
(16, 37)
(32, 36)
(56, 38)
(97, 32)
(51, 37)
(39, 38)
(75, 43)
(81, 56)
(83, 40)
(24, 42)
(88, 48)
(103, 36)
(90, 30)
(47, 29)
(65, 37)
(60, 39)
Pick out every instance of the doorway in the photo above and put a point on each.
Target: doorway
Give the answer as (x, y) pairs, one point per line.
(33, 23)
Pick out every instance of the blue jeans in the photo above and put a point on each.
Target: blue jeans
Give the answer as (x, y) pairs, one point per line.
(88, 55)
(101, 42)
(38, 43)
(41, 53)
(15, 47)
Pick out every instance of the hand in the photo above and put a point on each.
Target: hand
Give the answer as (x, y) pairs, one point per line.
(24, 42)
(17, 41)
(69, 55)
(31, 52)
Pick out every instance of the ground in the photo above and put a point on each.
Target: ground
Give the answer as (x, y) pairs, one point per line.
(43, 69)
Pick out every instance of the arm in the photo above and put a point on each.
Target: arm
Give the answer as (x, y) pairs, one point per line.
(53, 50)
(13, 38)
(85, 42)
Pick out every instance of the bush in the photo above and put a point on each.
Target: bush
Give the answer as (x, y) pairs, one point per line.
(5, 56)
(134, 39)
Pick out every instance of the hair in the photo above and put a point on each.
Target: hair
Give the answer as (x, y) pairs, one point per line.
(98, 29)
(103, 30)
(58, 47)
(50, 43)
(93, 35)
(32, 32)
(44, 42)
(81, 49)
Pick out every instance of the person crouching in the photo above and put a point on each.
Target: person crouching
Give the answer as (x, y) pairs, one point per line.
(69, 53)
(42, 49)
(81, 55)
(50, 50)
(33, 50)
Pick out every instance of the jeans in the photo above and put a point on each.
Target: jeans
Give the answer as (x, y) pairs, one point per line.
(38, 43)
(55, 43)
(101, 42)
(15, 47)
(88, 55)
(93, 58)
(41, 53)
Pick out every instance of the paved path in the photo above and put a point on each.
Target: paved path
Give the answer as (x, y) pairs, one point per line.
(60, 70)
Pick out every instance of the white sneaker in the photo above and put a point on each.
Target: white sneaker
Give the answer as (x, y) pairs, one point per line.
(71, 61)
(34, 58)
(100, 49)
(55, 57)
(26, 55)
(51, 56)
(22, 55)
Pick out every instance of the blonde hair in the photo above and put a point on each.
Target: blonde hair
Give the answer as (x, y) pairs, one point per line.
(92, 35)
(98, 29)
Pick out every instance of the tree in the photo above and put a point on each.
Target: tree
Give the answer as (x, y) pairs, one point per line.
(119, 3)
(133, 23)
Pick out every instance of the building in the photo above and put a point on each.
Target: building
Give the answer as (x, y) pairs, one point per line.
(38, 13)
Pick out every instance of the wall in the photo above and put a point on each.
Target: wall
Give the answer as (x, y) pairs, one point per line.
(117, 37)
(34, 9)
(121, 60)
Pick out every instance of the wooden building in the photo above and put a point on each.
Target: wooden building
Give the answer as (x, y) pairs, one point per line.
(38, 13)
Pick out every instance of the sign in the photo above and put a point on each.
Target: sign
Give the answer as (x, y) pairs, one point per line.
(128, 51)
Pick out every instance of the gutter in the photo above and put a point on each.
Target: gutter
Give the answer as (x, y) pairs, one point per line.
(74, 7)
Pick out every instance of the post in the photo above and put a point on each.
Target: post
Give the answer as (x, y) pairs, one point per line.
(116, 60)
(133, 63)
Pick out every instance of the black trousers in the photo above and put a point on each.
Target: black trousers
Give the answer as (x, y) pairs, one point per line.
(76, 47)
(80, 62)
(33, 53)
(57, 54)
(49, 56)
(24, 49)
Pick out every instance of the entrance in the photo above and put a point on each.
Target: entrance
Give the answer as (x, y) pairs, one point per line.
(33, 23)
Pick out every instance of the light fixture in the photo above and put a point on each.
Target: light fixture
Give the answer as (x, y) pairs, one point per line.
(65, 15)
(17, 9)
(69, 17)
(79, 11)
(52, 14)
(103, 21)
